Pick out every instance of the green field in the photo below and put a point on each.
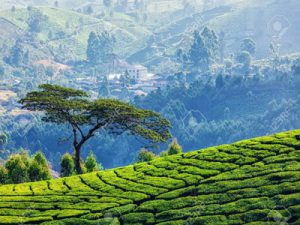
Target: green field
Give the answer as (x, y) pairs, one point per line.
(255, 181)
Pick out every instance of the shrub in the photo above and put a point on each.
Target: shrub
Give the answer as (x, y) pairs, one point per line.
(174, 148)
(67, 165)
(91, 163)
(82, 166)
(164, 154)
(145, 156)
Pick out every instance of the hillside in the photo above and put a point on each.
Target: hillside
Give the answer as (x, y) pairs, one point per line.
(69, 30)
(272, 20)
(255, 181)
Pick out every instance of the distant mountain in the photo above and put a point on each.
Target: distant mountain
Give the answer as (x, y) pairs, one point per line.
(265, 22)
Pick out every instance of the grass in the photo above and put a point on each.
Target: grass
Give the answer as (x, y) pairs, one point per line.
(253, 182)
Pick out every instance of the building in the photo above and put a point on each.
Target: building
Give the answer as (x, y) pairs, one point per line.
(136, 72)
(140, 81)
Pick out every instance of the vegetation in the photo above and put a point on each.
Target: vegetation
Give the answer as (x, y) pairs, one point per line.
(20, 168)
(202, 52)
(174, 148)
(240, 96)
(62, 105)
(100, 47)
(67, 165)
(91, 164)
(146, 156)
(36, 20)
(254, 181)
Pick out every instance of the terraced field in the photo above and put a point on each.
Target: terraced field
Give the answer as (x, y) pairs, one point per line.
(253, 182)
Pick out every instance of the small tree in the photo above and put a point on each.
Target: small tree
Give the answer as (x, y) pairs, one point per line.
(36, 21)
(104, 90)
(16, 169)
(67, 165)
(145, 156)
(174, 148)
(91, 163)
(92, 48)
(69, 106)
(99, 47)
(16, 55)
(38, 169)
(3, 175)
(40, 159)
(36, 172)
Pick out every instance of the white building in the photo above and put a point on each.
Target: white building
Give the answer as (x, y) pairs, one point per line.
(136, 72)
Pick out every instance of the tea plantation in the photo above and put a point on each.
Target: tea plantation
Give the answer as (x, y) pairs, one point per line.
(256, 181)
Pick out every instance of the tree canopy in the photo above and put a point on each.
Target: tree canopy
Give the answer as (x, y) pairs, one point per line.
(62, 105)
(99, 47)
(203, 50)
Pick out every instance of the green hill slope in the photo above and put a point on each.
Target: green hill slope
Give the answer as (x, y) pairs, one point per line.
(255, 181)
(70, 30)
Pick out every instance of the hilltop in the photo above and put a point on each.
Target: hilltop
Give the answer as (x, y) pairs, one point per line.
(253, 182)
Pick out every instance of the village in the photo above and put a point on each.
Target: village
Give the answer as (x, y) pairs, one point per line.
(124, 81)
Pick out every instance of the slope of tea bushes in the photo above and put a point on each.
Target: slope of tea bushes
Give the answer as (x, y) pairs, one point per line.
(255, 181)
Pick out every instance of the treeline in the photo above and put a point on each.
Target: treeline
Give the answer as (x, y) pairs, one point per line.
(21, 167)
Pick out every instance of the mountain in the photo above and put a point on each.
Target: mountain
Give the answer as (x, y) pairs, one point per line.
(167, 27)
(265, 22)
(255, 181)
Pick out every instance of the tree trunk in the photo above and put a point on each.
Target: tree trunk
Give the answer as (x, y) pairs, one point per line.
(77, 160)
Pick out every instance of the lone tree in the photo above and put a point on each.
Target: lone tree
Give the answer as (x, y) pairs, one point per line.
(63, 105)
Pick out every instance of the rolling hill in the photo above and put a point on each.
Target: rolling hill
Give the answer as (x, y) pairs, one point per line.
(68, 31)
(255, 181)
